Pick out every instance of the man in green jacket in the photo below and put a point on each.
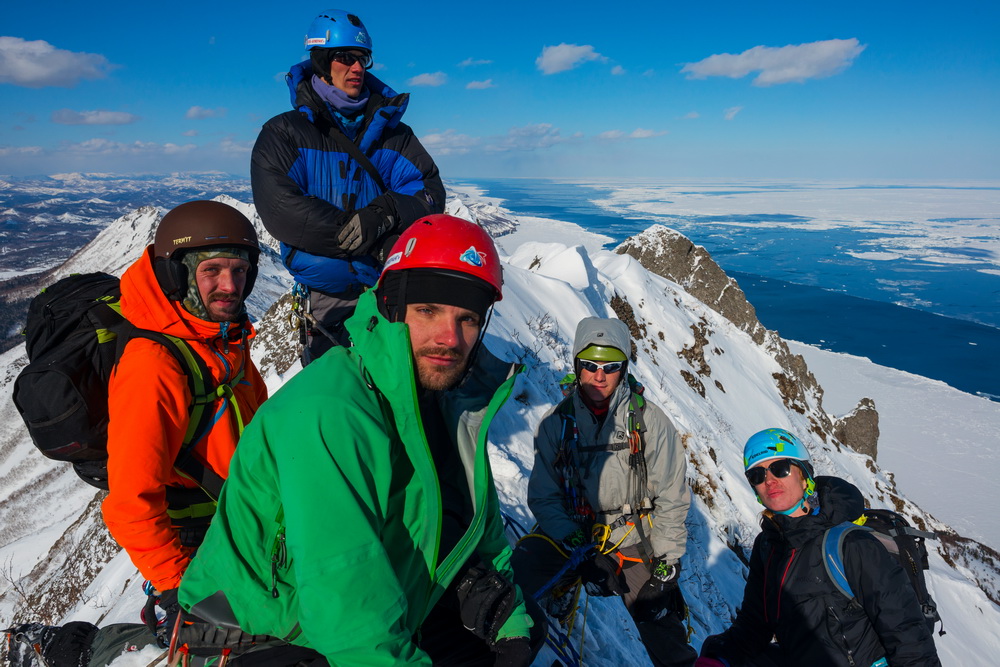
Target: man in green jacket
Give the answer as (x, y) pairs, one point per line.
(360, 519)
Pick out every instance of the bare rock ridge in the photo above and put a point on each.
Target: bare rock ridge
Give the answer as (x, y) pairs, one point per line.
(672, 255)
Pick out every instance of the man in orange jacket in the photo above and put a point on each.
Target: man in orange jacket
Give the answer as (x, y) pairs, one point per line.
(191, 283)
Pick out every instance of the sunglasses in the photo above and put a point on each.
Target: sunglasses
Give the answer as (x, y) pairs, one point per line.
(608, 367)
(348, 58)
(780, 468)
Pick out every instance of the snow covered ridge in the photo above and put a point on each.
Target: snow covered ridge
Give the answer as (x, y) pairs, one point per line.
(700, 353)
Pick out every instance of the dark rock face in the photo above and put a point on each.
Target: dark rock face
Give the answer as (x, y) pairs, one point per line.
(859, 429)
(672, 255)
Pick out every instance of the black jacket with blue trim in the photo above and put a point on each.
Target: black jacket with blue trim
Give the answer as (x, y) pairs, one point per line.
(789, 596)
(306, 186)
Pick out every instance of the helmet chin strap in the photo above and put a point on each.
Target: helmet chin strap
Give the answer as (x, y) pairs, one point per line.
(794, 509)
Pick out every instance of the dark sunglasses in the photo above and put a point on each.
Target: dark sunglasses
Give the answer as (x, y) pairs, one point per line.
(608, 367)
(348, 58)
(780, 468)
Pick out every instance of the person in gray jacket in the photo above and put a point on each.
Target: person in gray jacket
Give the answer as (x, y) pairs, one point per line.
(610, 497)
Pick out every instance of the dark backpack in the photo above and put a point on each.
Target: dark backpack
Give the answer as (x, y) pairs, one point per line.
(75, 334)
(900, 539)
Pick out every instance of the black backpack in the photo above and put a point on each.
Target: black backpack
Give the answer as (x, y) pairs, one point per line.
(900, 539)
(75, 334)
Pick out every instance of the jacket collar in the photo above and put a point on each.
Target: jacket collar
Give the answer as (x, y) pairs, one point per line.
(839, 501)
(144, 305)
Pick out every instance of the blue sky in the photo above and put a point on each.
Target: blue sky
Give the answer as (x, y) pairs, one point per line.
(854, 90)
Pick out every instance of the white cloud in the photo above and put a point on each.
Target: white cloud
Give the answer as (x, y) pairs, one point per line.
(529, 138)
(731, 112)
(690, 115)
(227, 145)
(20, 150)
(100, 146)
(428, 79)
(99, 117)
(786, 64)
(449, 142)
(189, 133)
(469, 62)
(199, 113)
(563, 57)
(379, 67)
(617, 70)
(480, 85)
(638, 133)
(37, 64)
(649, 72)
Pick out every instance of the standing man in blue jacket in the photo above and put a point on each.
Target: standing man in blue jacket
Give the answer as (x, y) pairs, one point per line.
(338, 178)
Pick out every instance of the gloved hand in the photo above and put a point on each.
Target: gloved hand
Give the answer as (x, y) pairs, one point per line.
(71, 645)
(660, 594)
(513, 652)
(710, 662)
(601, 575)
(384, 247)
(486, 599)
(167, 601)
(364, 228)
(201, 638)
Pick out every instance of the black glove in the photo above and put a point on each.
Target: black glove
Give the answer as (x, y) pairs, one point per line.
(360, 233)
(661, 593)
(167, 601)
(383, 247)
(486, 599)
(70, 645)
(60, 645)
(513, 652)
(202, 638)
(601, 575)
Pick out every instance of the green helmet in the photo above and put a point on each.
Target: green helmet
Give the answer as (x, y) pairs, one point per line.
(601, 353)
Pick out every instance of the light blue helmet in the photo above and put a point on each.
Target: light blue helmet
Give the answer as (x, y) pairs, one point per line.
(777, 443)
(773, 443)
(337, 29)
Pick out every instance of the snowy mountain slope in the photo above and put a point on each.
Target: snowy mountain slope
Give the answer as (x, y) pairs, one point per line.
(118, 245)
(710, 376)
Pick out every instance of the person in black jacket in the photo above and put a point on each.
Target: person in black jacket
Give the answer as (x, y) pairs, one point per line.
(337, 179)
(790, 597)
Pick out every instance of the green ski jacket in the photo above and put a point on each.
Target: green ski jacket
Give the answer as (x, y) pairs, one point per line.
(328, 529)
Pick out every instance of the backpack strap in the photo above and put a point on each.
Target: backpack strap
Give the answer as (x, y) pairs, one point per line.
(833, 555)
(203, 396)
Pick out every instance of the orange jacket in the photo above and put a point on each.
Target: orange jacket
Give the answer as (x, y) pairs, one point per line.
(149, 413)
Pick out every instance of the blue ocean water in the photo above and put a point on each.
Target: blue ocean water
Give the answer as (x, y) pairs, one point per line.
(938, 321)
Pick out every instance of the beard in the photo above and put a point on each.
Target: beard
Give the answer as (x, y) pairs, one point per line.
(220, 312)
(434, 377)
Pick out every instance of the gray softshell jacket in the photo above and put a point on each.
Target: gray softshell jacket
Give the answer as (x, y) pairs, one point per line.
(605, 472)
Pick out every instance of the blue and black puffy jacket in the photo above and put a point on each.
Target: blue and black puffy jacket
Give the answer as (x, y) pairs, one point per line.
(306, 186)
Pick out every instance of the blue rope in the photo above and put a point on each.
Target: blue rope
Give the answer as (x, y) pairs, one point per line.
(576, 557)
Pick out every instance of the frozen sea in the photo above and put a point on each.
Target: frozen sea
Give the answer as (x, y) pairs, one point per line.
(907, 275)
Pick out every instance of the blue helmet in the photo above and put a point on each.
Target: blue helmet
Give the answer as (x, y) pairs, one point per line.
(337, 29)
(777, 443)
(773, 443)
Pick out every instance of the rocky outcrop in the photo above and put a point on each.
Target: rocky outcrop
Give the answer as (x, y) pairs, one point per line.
(859, 429)
(672, 255)
(494, 219)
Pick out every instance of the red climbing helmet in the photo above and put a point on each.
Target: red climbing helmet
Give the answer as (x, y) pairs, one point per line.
(448, 243)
